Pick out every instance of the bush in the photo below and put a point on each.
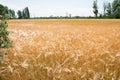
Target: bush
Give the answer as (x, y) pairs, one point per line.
(4, 39)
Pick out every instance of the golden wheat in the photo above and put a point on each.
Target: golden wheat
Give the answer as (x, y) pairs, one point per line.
(66, 49)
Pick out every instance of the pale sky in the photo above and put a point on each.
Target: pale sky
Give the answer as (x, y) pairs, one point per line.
(55, 7)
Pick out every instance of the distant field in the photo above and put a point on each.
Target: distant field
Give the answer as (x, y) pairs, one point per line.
(63, 49)
(64, 24)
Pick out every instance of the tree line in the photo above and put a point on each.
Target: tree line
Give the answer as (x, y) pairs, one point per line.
(110, 10)
(22, 14)
(6, 10)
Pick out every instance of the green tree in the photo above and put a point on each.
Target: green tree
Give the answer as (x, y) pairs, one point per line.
(116, 8)
(95, 8)
(1, 9)
(26, 13)
(11, 13)
(23, 14)
(4, 40)
(19, 13)
(109, 9)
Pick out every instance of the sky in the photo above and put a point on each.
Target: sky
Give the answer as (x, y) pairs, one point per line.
(48, 8)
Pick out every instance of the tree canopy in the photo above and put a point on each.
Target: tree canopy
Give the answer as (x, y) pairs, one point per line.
(116, 8)
(4, 10)
(25, 14)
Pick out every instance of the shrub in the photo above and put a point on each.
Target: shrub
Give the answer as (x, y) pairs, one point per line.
(4, 39)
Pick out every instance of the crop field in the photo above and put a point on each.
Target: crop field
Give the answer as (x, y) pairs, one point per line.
(63, 49)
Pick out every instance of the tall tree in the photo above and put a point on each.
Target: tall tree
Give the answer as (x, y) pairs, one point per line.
(19, 13)
(116, 8)
(23, 14)
(109, 9)
(27, 13)
(95, 8)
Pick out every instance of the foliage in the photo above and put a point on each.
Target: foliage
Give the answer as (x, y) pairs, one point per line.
(116, 8)
(4, 10)
(19, 13)
(95, 7)
(4, 40)
(109, 9)
(24, 14)
(11, 13)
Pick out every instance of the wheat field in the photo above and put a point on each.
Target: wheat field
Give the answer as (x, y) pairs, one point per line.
(63, 49)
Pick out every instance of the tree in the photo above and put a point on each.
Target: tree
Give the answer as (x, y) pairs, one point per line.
(11, 13)
(19, 13)
(23, 14)
(104, 7)
(1, 9)
(109, 9)
(116, 8)
(95, 8)
(26, 13)
(4, 40)
(4, 10)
